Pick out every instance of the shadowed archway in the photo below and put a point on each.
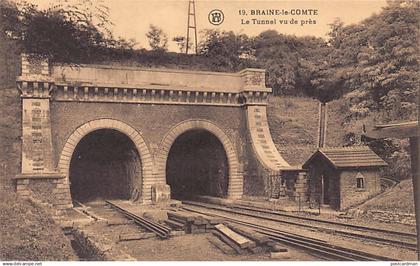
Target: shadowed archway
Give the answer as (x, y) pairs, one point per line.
(131, 133)
(197, 165)
(105, 165)
(235, 177)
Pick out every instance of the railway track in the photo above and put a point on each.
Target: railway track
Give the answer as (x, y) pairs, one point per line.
(161, 231)
(314, 246)
(349, 230)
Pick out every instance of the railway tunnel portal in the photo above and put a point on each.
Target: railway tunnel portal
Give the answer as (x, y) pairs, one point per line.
(96, 131)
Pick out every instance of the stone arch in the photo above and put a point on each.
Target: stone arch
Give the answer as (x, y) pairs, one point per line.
(235, 184)
(83, 130)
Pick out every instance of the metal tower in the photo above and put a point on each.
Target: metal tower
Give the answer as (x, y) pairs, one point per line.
(191, 25)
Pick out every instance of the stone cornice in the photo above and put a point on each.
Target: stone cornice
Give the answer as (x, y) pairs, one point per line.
(152, 94)
(96, 83)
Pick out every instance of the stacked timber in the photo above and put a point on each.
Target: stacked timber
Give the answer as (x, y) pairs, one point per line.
(191, 224)
(237, 242)
(243, 240)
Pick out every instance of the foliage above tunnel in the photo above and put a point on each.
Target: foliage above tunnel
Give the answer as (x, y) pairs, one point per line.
(376, 59)
(64, 32)
(371, 67)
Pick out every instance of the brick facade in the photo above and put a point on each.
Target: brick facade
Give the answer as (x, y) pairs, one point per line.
(350, 195)
(75, 103)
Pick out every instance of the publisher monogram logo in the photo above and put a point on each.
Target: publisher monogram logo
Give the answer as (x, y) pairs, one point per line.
(216, 17)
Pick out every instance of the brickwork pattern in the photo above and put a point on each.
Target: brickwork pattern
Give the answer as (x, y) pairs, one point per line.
(152, 115)
(79, 133)
(262, 142)
(350, 195)
(235, 188)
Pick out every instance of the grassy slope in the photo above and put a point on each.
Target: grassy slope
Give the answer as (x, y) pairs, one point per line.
(10, 112)
(293, 125)
(29, 233)
(397, 199)
(335, 128)
(10, 132)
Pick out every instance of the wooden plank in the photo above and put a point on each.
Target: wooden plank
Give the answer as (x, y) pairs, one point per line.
(256, 250)
(226, 249)
(242, 241)
(229, 242)
(178, 220)
(132, 237)
(209, 226)
(174, 224)
(182, 216)
(212, 220)
(200, 221)
(259, 238)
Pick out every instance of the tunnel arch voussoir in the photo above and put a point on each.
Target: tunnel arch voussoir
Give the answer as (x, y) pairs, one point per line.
(105, 123)
(235, 187)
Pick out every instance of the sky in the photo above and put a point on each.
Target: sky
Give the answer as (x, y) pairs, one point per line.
(132, 18)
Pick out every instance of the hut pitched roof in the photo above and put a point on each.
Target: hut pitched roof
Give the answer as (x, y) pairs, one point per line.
(348, 157)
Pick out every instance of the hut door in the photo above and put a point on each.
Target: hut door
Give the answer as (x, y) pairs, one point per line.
(325, 189)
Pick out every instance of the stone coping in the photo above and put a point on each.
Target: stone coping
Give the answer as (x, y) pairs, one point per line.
(53, 175)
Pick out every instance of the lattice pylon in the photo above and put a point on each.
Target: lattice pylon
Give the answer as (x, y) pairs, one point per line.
(191, 25)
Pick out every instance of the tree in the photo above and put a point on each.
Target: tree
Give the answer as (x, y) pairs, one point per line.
(226, 50)
(385, 61)
(66, 33)
(181, 41)
(158, 40)
(290, 61)
(381, 81)
(9, 47)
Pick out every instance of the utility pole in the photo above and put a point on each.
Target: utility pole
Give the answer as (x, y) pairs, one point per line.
(322, 127)
(191, 25)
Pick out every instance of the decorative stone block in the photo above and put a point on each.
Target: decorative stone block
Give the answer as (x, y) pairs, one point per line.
(36, 137)
(161, 193)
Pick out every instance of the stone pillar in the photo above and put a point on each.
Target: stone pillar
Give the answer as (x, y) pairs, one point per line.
(37, 150)
(301, 186)
(36, 136)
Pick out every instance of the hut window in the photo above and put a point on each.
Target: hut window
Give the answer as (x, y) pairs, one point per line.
(360, 181)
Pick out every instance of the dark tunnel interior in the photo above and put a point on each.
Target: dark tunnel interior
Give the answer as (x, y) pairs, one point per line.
(197, 165)
(105, 165)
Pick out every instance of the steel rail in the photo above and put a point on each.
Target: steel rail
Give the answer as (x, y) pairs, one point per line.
(408, 245)
(313, 245)
(162, 231)
(359, 227)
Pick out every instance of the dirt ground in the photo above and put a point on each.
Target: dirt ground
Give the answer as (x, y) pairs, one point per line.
(194, 248)
(189, 247)
(186, 247)
(198, 247)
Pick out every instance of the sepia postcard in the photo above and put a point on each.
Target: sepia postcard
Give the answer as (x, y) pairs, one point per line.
(140, 131)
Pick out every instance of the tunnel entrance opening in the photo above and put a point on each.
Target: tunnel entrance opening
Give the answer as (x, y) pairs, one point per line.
(105, 165)
(197, 165)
